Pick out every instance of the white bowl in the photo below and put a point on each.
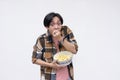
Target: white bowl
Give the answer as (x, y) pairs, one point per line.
(63, 57)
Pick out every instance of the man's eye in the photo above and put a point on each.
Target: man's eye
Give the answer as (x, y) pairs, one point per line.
(58, 23)
(51, 24)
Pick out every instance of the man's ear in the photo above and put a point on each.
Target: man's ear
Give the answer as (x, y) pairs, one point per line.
(46, 27)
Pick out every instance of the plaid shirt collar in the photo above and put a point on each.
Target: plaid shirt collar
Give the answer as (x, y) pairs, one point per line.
(49, 37)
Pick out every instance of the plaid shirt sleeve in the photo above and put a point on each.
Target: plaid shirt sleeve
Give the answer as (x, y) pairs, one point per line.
(37, 51)
(70, 37)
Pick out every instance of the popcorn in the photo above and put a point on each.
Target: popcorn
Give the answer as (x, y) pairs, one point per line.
(63, 57)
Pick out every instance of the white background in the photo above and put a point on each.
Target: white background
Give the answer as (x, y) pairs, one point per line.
(96, 26)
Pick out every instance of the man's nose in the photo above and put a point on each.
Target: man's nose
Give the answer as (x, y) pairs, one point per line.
(56, 26)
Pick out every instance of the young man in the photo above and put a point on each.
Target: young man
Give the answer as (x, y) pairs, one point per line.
(57, 38)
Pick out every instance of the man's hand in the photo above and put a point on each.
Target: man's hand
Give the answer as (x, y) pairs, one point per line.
(57, 34)
(55, 65)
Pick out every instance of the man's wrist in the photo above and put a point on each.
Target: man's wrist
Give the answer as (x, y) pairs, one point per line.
(61, 40)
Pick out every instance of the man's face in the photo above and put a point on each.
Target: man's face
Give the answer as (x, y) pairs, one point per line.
(55, 25)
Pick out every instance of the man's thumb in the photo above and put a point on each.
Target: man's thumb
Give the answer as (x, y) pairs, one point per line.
(54, 61)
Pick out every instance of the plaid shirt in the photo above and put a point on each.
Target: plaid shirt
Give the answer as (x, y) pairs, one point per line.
(44, 49)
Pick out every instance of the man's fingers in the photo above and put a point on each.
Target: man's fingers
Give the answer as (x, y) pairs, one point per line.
(55, 33)
(54, 61)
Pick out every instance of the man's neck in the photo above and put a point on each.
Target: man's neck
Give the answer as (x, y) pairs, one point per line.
(55, 40)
